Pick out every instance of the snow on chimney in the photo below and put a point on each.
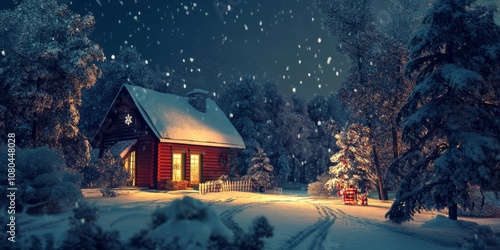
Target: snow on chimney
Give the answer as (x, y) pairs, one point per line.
(198, 99)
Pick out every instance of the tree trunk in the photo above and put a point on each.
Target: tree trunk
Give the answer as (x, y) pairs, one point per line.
(395, 149)
(383, 194)
(453, 211)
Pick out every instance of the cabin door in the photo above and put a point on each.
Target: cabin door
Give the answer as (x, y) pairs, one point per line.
(195, 169)
(130, 166)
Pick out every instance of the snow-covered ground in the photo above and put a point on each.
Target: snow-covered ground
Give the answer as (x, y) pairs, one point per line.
(299, 221)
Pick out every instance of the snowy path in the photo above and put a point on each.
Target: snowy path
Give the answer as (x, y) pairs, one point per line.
(299, 222)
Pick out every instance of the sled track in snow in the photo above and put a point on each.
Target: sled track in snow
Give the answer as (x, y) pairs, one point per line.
(227, 215)
(326, 220)
(362, 221)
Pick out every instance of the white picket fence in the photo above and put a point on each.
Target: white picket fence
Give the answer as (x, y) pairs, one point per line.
(220, 186)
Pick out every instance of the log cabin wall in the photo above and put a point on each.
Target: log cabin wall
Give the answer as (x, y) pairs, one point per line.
(115, 129)
(211, 168)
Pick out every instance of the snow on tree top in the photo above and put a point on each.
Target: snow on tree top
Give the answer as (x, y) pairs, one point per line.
(174, 120)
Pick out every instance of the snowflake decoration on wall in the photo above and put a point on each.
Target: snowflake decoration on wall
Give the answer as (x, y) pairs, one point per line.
(128, 119)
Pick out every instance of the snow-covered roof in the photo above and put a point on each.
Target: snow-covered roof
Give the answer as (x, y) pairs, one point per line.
(174, 120)
(122, 148)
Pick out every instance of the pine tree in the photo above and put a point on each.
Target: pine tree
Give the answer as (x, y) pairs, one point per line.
(450, 120)
(261, 173)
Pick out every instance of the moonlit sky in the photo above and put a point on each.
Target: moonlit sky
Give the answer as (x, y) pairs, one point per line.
(206, 43)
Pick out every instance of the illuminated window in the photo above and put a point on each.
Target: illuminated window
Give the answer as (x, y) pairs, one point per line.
(177, 167)
(130, 167)
(195, 169)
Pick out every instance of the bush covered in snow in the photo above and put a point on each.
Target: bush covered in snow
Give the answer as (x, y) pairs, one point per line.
(184, 224)
(261, 173)
(318, 188)
(44, 184)
(104, 172)
(191, 224)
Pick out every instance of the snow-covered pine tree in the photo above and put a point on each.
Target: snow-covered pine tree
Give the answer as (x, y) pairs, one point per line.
(352, 163)
(451, 119)
(261, 173)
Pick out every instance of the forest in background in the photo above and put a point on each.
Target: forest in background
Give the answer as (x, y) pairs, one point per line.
(418, 112)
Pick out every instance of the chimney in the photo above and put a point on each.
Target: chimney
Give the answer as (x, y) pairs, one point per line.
(198, 99)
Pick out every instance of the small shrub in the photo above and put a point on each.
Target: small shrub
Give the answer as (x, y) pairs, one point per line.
(105, 172)
(106, 192)
(318, 188)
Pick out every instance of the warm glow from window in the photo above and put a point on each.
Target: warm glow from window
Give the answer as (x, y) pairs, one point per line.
(195, 169)
(130, 167)
(177, 167)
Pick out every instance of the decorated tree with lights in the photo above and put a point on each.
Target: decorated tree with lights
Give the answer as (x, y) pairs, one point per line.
(352, 162)
(48, 59)
(450, 120)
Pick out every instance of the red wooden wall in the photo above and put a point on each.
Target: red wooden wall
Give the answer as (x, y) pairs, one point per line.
(211, 169)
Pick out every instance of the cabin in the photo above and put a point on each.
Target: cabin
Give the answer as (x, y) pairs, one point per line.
(164, 138)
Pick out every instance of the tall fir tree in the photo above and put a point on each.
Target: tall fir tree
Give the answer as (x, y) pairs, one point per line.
(451, 119)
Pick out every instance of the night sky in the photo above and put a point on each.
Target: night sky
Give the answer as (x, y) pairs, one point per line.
(208, 43)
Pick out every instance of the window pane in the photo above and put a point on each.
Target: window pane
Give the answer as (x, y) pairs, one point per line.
(176, 167)
(195, 169)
